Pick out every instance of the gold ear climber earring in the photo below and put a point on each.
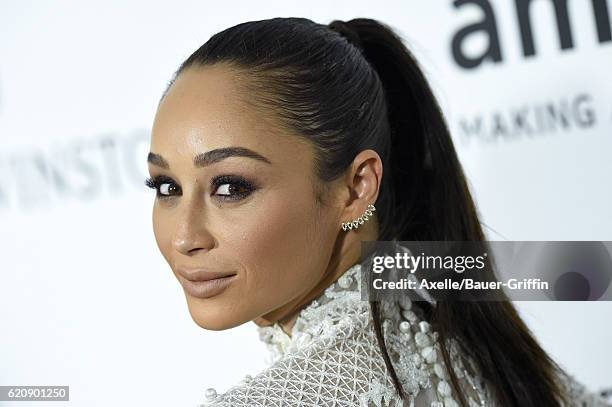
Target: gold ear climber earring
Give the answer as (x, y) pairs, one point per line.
(360, 220)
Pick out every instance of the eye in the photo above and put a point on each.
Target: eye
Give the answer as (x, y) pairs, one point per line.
(226, 187)
(165, 186)
(231, 187)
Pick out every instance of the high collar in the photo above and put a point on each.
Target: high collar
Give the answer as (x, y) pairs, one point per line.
(340, 301)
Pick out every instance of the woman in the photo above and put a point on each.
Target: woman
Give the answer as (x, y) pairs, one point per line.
(276, 149)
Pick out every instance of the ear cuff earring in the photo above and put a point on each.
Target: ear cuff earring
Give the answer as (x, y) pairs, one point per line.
(360, 220)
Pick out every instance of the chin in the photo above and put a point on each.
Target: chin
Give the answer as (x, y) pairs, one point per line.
(212, 318)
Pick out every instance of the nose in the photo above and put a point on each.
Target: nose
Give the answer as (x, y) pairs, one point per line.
(191, 234)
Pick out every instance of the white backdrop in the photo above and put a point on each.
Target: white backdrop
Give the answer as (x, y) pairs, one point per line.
(86, 299)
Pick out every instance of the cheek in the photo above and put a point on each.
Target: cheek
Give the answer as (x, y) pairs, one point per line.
(162, 232)
(277, 247)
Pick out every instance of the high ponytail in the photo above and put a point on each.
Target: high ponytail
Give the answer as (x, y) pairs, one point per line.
(432, 202)
(364, 90)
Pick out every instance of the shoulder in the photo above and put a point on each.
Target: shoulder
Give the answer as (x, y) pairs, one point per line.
(336, 362)
(334, 359)
(339, 363)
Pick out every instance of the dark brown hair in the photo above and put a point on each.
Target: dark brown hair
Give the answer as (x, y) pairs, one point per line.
(350, 86)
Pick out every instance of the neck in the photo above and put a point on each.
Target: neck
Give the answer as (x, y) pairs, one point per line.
(286, 315)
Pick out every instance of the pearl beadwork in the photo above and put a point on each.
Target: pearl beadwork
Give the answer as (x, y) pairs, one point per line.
(444, 388)
(410, 316)
(450, 402)
(439, 370)
(405, 302)
(210, 394)
(429, 353)
(345, 281)
(422, 339)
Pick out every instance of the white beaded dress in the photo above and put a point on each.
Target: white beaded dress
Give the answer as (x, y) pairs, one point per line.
(333, 359)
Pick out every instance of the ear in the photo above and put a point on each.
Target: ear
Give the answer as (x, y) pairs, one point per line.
(363, 181)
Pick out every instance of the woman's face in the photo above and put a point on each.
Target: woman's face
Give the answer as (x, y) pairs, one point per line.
(249, 212)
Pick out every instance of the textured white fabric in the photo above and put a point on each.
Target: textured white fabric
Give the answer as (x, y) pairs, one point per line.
(333, 359)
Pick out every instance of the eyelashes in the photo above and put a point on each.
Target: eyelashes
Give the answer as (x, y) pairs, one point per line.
(241, 187)
(237, 188)
(158, 182)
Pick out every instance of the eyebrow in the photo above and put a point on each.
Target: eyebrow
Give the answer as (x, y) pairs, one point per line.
(211, 157)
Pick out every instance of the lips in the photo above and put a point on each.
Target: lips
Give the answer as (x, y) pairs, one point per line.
(201, 274)
(207, 288)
